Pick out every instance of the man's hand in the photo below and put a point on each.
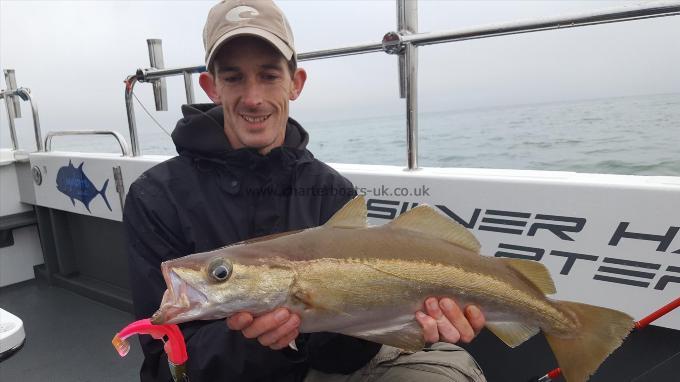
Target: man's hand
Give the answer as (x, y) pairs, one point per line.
(275, 329)
(444, 321)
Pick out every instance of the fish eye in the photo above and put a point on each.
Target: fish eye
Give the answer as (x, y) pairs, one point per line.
(220, 270)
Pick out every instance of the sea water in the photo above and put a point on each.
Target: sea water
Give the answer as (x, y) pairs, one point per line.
(629, 135)
(637, 135)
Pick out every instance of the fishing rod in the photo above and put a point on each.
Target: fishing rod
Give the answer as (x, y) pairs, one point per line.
(641, 324)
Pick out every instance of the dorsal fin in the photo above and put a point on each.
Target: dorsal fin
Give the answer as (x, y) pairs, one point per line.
(535, 272)
(426, 220)
(351, 215)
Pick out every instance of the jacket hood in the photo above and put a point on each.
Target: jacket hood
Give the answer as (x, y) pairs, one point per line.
(200, 134)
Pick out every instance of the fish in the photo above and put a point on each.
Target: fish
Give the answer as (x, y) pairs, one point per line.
(73, 182)
(368, 281)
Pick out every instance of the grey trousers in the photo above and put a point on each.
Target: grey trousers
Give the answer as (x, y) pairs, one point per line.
(440, 362)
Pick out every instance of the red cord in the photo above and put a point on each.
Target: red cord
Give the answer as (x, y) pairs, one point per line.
(652, 317)
(555, 373)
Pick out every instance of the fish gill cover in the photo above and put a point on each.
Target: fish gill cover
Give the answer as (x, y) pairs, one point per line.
(73, 182)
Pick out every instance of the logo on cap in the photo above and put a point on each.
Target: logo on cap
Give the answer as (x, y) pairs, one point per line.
(240, 13)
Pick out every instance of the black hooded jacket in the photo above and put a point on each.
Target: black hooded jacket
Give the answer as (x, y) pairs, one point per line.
(210, 196)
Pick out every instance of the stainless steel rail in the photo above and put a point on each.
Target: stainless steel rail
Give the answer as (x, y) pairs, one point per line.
(341, 52)
(188, 88)
(407, 16)
(150, 74)
(156, 61)
(646, 11)
(7, 96)
(11, 104)
(24, 94)
(121, 140)
(130, 83)
(405, 41)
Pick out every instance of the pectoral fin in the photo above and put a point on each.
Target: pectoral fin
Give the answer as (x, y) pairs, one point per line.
(512, 333)
(301, 297)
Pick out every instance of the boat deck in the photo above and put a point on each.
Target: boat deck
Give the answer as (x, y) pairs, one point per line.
(68, 337)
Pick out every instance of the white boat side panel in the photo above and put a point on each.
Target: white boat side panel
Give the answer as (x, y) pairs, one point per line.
(6, 157)
(608, 240)
(17, 261)
(81, 187)
(9, 189)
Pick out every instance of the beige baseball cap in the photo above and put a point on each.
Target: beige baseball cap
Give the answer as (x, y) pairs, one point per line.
(261, 18)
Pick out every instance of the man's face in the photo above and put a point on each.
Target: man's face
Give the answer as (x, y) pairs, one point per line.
(252, 82)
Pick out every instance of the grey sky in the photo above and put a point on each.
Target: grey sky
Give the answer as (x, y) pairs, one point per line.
(74, 56)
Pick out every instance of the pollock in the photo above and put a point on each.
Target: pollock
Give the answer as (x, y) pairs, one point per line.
(368, 282)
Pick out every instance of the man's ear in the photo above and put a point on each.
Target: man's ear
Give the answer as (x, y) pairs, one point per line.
(299, 79)
(207, 82)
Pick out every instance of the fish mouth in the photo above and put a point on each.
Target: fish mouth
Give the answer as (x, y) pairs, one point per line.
(181, 301)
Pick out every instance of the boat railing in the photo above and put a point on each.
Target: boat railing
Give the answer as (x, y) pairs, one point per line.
(11, 95)
(124, 147)
(403, 43)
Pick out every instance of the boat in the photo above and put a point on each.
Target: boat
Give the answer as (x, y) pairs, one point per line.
(608, 240)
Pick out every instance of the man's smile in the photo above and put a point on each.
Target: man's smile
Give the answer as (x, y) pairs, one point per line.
(255, 118)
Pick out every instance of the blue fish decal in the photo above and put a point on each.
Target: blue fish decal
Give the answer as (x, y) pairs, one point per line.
(73, 182)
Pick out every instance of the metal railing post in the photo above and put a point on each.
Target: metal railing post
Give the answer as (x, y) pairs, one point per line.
(10, 117)
(25, 94)
(132, 124)
(11, 82)
(160, 92)
(12, 106)
(188, 88)
(407, 19)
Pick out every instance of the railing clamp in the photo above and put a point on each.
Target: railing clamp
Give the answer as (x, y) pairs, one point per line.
(142, 73)
(393, 43)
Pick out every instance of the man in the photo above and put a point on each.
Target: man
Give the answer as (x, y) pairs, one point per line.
(212, 195)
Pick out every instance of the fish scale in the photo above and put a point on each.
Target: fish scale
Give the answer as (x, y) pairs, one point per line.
(433, 279)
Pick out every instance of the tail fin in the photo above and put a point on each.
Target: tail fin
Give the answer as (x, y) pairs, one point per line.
(103, 193)
(600, 332)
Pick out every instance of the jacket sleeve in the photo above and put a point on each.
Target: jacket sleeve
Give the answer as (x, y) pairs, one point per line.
(332, 352)
(154, 234)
